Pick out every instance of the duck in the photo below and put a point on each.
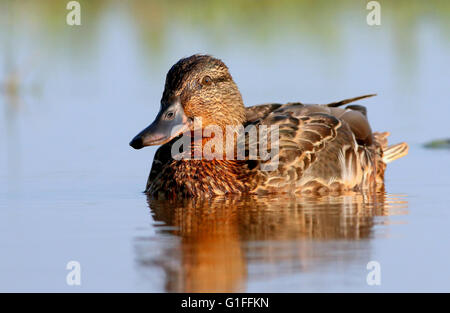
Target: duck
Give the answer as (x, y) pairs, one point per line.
(314, 148)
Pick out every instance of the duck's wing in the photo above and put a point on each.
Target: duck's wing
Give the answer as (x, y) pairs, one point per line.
(301, 138)
(355, 115)
(262, 110)
(317, 144)
(259, 111)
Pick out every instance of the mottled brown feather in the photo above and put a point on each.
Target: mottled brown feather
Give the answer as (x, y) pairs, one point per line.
(322, 148)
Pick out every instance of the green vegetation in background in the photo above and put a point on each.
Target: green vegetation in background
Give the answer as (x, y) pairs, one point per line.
(260, 21)
(438, 144)
(267, 24)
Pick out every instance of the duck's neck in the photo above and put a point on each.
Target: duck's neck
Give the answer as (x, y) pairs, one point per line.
(211, 168)
(208, 143)
(210, 177)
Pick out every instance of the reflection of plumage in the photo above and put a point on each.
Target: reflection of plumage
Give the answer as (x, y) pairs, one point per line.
(222, 242)
(322, 148)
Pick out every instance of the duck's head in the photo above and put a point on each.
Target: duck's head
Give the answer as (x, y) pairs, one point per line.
(199, 86)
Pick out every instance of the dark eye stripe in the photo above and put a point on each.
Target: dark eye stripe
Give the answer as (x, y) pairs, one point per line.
(220, 79)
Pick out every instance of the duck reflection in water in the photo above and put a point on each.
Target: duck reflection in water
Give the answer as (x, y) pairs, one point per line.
(225, 242)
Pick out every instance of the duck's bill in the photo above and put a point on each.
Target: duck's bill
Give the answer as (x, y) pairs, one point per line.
(169, 123)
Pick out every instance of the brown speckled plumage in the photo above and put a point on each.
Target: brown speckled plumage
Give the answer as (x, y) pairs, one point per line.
(322, 148)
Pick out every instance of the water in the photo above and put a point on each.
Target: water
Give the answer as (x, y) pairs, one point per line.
(70, 186)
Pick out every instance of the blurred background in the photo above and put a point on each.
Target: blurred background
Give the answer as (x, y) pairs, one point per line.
(72, 97)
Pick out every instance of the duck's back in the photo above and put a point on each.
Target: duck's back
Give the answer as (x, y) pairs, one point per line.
(322, 148)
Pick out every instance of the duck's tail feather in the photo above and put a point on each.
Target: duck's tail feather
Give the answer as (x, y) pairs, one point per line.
(342, 102)
(395, 152)
(390, 153)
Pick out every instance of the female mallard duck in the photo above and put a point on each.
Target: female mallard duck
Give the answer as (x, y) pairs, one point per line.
(320, 148)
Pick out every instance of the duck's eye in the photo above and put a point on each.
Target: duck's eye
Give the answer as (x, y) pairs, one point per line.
(207, 80)
(170, 115)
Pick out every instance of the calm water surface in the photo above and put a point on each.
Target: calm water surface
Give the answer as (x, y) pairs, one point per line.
(70, 186)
